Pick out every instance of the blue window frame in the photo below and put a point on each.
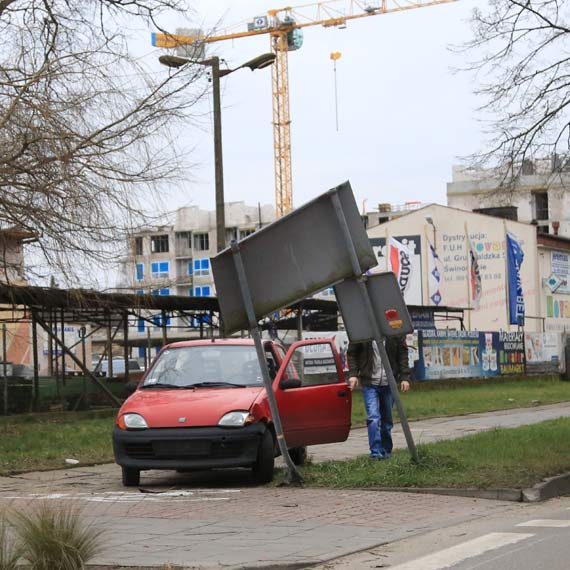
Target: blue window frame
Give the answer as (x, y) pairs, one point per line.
(189, 270)
(164, 292)
(202, 291)
(157, 320)
(159, 269)
(139, 291)
(202, 266)
(142, 352)
(140, 272)
(140, 326)
(190, 292)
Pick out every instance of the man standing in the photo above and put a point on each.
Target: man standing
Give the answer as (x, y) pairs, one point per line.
(364, 363)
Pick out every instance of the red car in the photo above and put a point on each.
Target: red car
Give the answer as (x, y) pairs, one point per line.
(202, 405)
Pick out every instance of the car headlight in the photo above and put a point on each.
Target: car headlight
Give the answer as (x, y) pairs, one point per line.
(236, 419)
(132, 421)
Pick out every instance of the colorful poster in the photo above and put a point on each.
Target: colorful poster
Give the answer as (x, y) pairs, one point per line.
(544, 352)
(511, 352)
(445, 354)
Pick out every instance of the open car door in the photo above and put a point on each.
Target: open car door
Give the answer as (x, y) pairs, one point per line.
(312, 395)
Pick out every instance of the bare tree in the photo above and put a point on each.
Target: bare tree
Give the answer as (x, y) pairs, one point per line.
(84, 127)
(523, 63)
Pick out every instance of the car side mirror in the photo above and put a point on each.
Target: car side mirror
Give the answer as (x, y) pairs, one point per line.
(290, 383)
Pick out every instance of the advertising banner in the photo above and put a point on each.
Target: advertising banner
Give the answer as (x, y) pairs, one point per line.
(560, 278)
(403, 255)
(544, 352)
(445, 354)
(511, 352)
(515, 257)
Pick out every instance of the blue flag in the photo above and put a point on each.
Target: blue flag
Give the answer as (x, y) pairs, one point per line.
(515, 258)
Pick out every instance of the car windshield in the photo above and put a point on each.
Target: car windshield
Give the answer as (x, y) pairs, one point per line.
(218, 365)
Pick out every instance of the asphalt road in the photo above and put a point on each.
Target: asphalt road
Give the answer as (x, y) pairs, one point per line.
(535, 537)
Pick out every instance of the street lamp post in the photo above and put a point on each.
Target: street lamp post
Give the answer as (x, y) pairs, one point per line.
(258, 62)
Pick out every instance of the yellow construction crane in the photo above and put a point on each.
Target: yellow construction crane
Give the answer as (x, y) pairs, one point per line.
(284, 27)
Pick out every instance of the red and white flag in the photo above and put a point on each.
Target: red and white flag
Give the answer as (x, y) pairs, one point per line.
(400, 262)
(475, 285)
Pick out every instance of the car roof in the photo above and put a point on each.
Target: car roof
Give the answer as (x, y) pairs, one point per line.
(213, 341)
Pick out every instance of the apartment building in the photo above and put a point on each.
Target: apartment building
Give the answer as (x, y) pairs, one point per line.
(540, 194)
(175, 259)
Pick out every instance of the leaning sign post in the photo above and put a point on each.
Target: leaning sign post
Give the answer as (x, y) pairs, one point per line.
(296, 256)
(373, 308)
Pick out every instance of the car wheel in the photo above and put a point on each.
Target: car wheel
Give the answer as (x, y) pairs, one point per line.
(131, 477)
(265, 463)
(298, 455)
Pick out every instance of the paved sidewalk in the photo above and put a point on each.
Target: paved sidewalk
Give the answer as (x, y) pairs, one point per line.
(435, 429)
(216, 520)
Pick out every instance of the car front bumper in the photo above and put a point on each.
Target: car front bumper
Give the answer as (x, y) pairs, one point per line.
(187, 448)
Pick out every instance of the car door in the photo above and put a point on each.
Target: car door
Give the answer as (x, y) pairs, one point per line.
(312, 395)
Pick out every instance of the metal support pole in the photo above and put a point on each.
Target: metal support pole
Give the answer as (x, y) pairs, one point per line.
(300, 324)
(110, 350)
(293, 476)
(36, 381)
(126, 345)
(148, 348)
(218, 157)
(377, 334)
(84, 359)
(63, 343)
(163, 323)
(5, 367)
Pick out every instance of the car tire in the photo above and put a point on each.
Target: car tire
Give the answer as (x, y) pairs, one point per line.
(298, 455)
(131, 477)
(265, 463)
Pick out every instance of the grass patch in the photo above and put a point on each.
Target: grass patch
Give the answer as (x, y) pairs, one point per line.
(514, 458)
(43, 441)
(459, 399)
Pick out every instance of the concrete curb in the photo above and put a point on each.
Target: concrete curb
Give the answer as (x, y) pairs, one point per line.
(547, 489)
(493, 494)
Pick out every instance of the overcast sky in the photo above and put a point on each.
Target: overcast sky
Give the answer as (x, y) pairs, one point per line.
(405, 117)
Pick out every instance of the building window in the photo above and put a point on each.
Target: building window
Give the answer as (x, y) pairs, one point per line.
(203, 291)
(190, 291)
(231, 233)
(138, 246)
(328, 292)
(159, 244)
(140, 272)
(157, 320)
(140, 327)
(164, 292)
(159, 269)
(201, 242)
(139, 291)
(189, 268)
(142, 352)
(540, 207)
(245, 233)
(202, 266)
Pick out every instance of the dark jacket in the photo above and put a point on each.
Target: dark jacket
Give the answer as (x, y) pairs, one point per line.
(361, 359)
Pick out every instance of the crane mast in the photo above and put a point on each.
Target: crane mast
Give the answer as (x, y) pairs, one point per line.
(279, 24)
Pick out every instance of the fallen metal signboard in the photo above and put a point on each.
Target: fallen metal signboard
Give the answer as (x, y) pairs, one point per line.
(292, 258)
(388, 306)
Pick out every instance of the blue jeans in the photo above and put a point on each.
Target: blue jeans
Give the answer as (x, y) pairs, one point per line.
(378, 404)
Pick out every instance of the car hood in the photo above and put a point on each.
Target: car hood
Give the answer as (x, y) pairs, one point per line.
(165, 408)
